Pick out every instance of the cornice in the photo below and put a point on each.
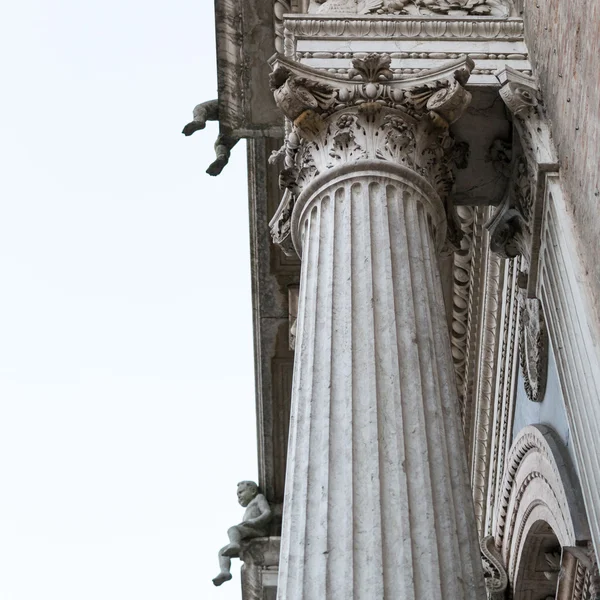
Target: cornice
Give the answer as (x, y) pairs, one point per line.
(406, 27)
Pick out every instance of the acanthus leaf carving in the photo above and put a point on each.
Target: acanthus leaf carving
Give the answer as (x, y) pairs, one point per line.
(372, 68)
(371, 115)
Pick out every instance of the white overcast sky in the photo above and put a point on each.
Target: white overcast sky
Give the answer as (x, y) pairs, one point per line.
(126, 370)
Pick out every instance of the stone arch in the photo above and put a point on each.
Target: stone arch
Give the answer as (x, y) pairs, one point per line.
(541, 509)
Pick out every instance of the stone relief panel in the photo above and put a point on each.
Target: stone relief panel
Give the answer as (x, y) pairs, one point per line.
(497, 8)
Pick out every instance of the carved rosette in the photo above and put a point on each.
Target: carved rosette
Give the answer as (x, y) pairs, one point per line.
(370, 115)
(533, 348)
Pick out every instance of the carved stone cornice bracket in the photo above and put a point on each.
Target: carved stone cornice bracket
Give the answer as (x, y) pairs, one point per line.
(261, 566)
(336, 121)
(515, 227)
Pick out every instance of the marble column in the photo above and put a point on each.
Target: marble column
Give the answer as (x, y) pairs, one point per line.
(377, 502)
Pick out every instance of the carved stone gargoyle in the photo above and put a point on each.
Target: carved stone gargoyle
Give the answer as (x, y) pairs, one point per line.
(209, 111)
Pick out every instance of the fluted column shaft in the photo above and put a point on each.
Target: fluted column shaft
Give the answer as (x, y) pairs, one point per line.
(377, 500)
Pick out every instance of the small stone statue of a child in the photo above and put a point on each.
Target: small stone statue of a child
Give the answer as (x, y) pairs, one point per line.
(255, 524)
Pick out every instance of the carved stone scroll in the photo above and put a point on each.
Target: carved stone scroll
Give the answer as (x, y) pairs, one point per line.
(496, 578)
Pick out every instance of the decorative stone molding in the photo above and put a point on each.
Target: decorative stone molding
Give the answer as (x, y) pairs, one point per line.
(461, 301)
(280, 8)
(533, 347)
(500, 377)
(497, 8)
(445, 55)
(339, 121)
(459, 28)
(484, 351)
(537, 487)
(496, 578)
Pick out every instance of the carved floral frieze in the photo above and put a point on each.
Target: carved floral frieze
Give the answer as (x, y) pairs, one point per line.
(388, 27)
(497, 8)
(371, 115)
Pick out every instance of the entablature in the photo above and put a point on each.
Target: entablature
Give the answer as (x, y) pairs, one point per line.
(415, 43)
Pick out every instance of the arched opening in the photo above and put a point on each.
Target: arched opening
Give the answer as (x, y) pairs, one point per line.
(538, 569)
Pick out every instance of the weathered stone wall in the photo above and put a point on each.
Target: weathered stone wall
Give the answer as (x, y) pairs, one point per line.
(563, 37)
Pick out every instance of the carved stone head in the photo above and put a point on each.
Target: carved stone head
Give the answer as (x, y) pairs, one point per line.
(246, 492)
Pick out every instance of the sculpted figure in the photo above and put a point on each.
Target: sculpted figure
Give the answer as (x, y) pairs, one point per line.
(209, 111)
(254, 524)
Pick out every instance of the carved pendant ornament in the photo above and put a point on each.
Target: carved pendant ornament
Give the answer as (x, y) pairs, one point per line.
(510, 227)
(371, 115)
(533, 348)
(496, 8)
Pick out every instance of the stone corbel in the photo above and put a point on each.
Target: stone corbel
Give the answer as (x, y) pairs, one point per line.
(515, 227)
(370, 114)
(261, 568)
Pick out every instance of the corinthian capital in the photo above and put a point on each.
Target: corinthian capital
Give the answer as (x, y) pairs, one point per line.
(372, 114)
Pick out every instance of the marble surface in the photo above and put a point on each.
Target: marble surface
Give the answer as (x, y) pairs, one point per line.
(376, 466)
